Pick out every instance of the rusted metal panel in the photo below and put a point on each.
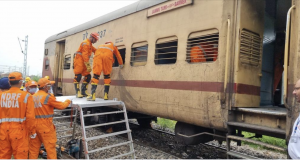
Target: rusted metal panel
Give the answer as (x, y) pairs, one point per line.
(272, 110)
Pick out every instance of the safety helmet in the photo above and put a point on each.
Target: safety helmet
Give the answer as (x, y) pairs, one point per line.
(95, 35)
(43, 82)
(47, 77)
(32, 83)
(27, 79)
(15, 76)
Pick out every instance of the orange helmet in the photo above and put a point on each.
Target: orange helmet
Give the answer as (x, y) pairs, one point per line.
(43, 82)
(32, 83)
(95, 35)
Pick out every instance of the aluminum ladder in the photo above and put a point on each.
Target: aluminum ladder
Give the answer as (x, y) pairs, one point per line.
(85, 139)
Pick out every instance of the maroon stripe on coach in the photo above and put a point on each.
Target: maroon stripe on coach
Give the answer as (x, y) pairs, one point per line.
(182, 85)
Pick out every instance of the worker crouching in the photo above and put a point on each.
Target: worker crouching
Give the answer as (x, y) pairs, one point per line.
(44, 110)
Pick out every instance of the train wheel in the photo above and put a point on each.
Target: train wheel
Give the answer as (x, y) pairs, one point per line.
(144, 122)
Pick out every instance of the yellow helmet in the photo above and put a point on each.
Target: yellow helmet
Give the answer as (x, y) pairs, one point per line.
(27, 79)
(47, 77)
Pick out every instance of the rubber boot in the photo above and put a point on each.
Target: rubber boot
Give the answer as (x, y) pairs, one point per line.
(84, 88)
(92, 97)
(78, 94)
(106, 90)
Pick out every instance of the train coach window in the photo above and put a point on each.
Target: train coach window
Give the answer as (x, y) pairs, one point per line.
(139, 54)
(202, 47)
(166, 50)
(122, 51)
(46, 52)
(250, 48)
(67, 62)
(46, 64)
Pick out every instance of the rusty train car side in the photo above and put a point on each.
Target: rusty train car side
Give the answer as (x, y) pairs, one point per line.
(232, 92)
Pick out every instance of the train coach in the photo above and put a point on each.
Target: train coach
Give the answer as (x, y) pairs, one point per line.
(242, 81)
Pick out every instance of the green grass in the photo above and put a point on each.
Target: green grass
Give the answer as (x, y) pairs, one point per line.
(265, 139)
(35, 78)
(166, 123)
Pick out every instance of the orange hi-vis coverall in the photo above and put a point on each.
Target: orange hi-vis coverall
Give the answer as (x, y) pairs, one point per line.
(83, 55)
(103, 61)
(202, 52)
(46, 133)
(17, 119)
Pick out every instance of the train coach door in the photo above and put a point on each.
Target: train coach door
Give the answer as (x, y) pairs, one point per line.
(247, 74)
(291, 55)
(58, 74)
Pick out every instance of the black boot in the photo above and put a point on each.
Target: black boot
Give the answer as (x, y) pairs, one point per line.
(84, 88)
(106, 90)
(78, 95)
(92, 97)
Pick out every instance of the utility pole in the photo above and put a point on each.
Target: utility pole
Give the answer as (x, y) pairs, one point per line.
(25, 54)
(28, 71)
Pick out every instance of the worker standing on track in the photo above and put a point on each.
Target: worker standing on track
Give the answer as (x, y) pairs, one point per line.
(23, 87)
(32, 87)
(82, 65)
(52, 83)
(4, 84)
(17, 119)
(44, 110)
(294, 142)
(103, 61)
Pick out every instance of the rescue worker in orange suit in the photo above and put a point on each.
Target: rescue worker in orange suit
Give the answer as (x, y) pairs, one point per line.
(52, 82)
(82, 65)
(46, 133)
(103, 61)
(204, 52)
(4, 84)
(17, 119)
(31, 87)
(23, 87)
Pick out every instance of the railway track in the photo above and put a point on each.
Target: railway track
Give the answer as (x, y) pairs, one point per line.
(143, 144)
(210, 150)
(165, 141)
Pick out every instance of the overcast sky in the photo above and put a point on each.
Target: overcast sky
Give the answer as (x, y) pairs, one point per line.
(40, 20)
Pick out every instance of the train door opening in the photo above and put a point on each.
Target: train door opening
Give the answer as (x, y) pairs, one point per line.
(271, 92)
(59, 66)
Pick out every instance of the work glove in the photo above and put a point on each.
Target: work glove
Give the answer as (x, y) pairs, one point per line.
(68, 101)
(33, 136)
(121, 66)
(88, 66)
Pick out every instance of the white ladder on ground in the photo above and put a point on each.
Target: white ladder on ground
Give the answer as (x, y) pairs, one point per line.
(85, 139)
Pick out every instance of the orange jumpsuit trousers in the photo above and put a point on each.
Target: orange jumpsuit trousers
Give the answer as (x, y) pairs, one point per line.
(46, 133)
(82, 55)
(103, 61)
(17, 119)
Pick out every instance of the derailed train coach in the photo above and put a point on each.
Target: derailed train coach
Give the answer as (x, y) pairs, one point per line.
(243, 79)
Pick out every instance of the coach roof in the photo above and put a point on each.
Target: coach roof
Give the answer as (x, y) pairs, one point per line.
(135, 7)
